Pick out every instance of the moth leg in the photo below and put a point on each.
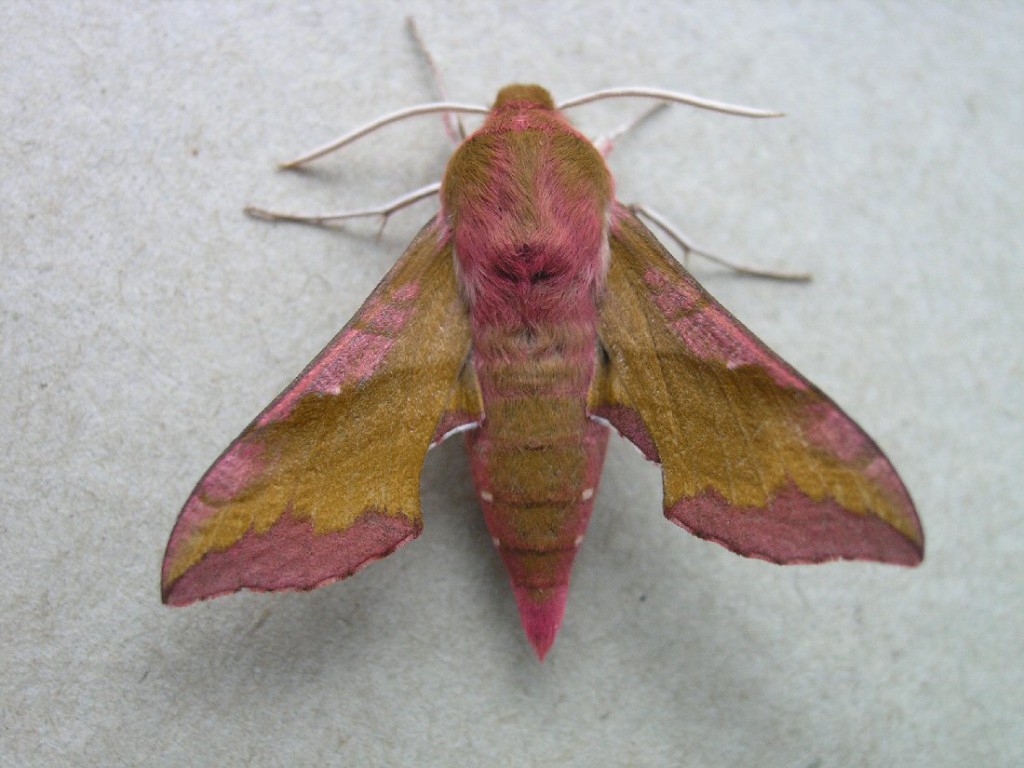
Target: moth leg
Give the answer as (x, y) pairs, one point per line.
(322, 219)
(452, 122)
(605, 144)
(688, 247)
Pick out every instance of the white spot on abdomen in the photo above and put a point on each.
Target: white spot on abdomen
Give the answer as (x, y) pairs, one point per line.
(588, 494)
(486, 496)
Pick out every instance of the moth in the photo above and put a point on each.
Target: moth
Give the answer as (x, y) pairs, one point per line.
(534, 313)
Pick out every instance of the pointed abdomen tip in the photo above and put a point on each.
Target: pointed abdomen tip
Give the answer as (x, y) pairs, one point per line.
(541, 611)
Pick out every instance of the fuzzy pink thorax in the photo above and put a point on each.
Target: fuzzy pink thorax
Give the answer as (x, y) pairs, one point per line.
(526, 199)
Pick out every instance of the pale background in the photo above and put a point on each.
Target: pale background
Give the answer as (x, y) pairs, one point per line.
(145, 320)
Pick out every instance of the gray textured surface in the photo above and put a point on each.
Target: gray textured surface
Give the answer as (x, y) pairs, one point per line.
(145, 321)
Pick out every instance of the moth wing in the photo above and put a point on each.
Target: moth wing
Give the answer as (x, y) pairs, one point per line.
(326, 479)
(465, 408)
(753, 456)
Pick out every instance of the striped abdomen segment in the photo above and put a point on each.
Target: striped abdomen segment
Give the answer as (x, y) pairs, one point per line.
(537, 461)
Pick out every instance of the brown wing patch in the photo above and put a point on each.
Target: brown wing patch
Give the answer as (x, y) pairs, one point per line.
(465, 407)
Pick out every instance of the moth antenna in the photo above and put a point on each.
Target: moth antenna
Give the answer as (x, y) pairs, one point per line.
(393, 117)
(605, 144)
(681, 98)
(688, 247)
(384, 211)
(452, 122)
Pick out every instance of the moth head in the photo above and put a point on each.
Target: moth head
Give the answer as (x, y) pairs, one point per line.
(524, 96)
